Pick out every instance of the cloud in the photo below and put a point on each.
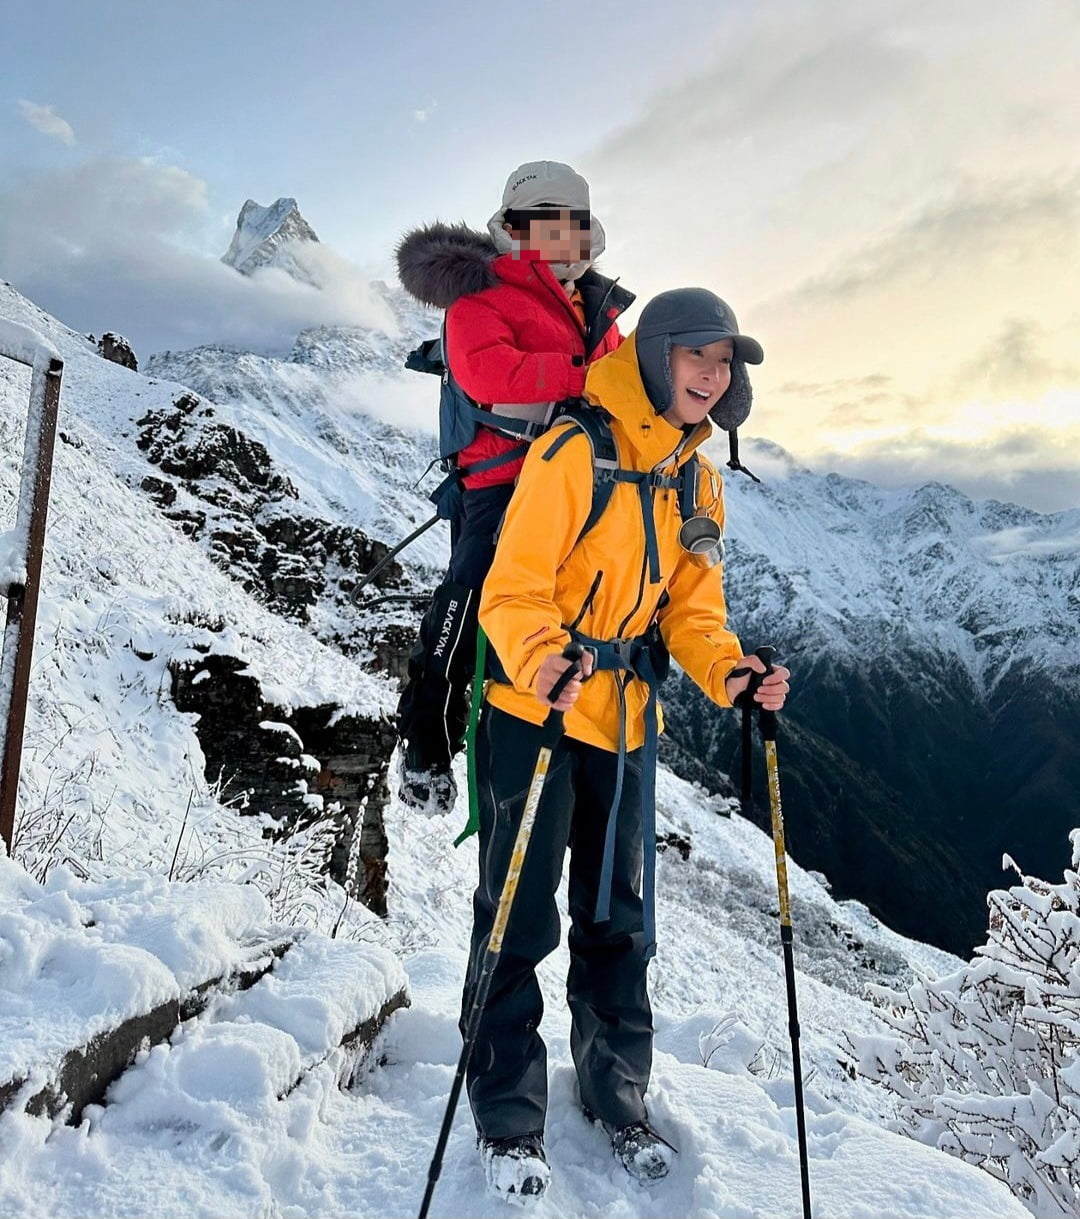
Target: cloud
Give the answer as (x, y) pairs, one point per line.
(424, 113)
(1013, 361)
(1024, 541)
(118, 244)
(977, 223)
(46, 120)
(852, 401)
(1033, 465)
(404, 402)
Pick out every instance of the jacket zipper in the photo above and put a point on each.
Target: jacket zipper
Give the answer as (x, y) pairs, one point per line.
(557, 291)
(586, 605)
(640, 597)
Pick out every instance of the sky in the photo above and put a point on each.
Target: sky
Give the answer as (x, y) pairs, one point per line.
(886, 191)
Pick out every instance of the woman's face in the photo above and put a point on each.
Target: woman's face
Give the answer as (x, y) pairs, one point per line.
(700, 376)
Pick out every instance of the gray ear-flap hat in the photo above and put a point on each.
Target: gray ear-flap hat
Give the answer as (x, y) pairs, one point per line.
(693, 317)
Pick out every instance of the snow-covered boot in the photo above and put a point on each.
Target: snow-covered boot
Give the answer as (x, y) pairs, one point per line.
(644, 1154)
(429, 792)
(516, 1167)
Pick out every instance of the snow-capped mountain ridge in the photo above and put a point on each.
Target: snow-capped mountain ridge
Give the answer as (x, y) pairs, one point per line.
(915, 620)
(911, 614)
(262, 235)
(849, 566)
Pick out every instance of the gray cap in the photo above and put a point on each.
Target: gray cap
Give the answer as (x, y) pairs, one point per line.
(693, 317)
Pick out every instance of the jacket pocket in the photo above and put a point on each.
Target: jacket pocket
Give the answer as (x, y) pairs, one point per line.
(586, 605)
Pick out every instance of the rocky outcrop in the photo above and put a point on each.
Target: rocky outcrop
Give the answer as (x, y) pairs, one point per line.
(118, 350)
(82, 1075)
(224, 491)
(271, 760)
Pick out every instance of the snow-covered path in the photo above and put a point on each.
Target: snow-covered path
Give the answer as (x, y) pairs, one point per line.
(200, 1127)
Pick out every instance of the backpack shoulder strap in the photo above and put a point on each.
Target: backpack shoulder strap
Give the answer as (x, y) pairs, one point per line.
(688, 486)
(593, 422)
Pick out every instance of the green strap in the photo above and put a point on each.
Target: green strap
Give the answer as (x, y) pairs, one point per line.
(472, 826)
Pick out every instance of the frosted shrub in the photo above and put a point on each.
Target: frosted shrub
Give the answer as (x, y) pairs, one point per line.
(984, 1063)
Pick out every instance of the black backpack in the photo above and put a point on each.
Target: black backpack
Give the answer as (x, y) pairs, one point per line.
(460, 416)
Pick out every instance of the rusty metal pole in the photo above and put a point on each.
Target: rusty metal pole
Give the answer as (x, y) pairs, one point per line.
(18, 639)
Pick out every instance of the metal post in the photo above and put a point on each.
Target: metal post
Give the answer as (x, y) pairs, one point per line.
(18, 639)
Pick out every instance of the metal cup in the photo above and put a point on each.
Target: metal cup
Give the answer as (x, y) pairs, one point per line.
(702, 540)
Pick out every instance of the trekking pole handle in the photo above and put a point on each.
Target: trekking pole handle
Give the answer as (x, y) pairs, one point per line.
(766, 719)
(765, 654)
(572, 652)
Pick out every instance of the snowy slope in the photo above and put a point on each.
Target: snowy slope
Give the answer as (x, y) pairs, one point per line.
(110, 766)
(197, 1129)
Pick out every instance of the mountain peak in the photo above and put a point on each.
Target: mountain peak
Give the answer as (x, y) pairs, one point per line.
(263, 235)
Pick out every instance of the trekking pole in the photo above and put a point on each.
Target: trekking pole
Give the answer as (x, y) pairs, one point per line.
(370, 575)
(549, 737)
(767, 726)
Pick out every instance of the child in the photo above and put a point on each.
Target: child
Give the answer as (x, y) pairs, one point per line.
(685, 362)
(526, 313)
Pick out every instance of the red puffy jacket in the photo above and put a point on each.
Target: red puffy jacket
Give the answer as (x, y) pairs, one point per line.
(523, 341)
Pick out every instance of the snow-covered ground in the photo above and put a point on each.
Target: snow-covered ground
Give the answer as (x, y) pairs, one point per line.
(198, 1126)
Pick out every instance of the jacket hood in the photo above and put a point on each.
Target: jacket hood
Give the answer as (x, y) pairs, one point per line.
(614, 383)
(438, 263)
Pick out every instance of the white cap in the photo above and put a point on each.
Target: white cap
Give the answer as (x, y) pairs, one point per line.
(538, 182)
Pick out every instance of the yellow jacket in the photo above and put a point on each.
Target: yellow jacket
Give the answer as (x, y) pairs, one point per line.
(543, 578)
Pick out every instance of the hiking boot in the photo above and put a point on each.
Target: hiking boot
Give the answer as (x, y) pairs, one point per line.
(644, 1154)
(429, 792)
(516, 1167)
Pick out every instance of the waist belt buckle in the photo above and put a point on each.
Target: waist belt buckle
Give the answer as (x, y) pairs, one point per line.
(622, 649)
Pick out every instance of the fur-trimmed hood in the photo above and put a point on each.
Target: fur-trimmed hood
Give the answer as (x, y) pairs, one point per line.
(438, 263)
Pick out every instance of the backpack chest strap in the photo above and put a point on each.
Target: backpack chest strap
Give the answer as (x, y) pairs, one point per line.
(607, 472)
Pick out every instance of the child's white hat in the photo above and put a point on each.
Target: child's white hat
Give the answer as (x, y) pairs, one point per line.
(538, 182)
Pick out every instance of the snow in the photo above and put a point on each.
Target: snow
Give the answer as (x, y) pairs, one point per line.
(19, 342)
(128, 880)
(261, 231)
(79, 959)
(235, 1116)
(12, 559)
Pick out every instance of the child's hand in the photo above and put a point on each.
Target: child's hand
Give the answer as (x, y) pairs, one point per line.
(550, 672)
(770, 694)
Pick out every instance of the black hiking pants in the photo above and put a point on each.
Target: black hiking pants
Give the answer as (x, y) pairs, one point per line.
(611, 1033)
(433, 710)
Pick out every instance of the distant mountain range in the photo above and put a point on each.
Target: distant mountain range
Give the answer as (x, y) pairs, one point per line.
(935, 716)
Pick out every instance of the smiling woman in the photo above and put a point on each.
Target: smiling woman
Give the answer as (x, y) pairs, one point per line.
(700, 376)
